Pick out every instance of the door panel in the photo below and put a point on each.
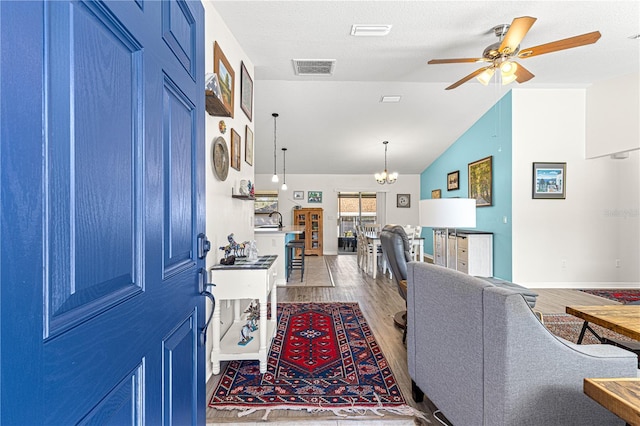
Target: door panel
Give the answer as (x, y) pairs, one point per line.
(91, 165)
(102, 172)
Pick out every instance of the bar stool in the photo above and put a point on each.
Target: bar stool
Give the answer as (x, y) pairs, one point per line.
(295, 262)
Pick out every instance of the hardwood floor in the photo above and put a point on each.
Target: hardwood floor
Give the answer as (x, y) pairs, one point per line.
(379, 300)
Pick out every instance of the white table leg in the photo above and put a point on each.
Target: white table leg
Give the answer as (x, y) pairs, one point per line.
(215, 352)
(262, 352)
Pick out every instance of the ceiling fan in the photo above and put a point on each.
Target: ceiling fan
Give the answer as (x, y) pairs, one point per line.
(500, 55)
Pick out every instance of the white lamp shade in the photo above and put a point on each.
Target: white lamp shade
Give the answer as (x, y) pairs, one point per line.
(448, 213)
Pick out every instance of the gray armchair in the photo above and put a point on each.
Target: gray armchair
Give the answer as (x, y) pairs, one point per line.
(397, 249)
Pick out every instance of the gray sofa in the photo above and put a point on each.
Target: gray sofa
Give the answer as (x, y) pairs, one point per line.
(480, 354)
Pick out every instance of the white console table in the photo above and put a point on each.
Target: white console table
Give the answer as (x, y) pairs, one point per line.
(244, 280)
(466, 251)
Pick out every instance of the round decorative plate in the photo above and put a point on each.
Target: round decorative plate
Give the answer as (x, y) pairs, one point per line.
(220, 158)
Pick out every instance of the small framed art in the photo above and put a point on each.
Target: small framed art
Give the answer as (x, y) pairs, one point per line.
(314, 196)
(436, 193)
(453, 180)
(235, 150)
(248, 146)
(403, 200)
(549, 180)
(246, 92)
(298, 195)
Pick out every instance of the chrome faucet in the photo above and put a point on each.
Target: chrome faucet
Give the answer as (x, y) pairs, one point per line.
(279, 217)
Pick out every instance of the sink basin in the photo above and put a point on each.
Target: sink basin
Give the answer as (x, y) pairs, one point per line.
(269, 226)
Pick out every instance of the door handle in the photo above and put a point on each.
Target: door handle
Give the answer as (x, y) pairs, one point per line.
(204, 284)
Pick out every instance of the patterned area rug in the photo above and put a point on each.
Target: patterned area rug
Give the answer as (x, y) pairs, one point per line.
(324, 357)
(619, 295)
(568, 327)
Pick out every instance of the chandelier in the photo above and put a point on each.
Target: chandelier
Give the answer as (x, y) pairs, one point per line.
(386, 177)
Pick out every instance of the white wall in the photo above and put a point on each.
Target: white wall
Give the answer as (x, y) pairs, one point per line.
(329, 185)
(613, 111)
(225, 215)
(571, 243)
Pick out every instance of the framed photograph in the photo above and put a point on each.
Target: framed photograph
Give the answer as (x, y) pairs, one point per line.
(403, 200)
(298, 195)
(481, 181)
(235, 150)
(436, 193)
(453, 180)
(226, 77)
(549, 180)
(248, 146)
(246, 92)
(314, 196)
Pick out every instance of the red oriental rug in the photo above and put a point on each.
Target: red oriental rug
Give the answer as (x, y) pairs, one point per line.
(324, 357)
(619, 295)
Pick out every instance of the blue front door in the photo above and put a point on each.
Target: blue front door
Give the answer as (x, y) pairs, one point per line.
(102, 199)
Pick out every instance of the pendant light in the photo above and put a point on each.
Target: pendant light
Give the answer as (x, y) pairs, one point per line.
(274, 178)
(386, 177)
(284, 169)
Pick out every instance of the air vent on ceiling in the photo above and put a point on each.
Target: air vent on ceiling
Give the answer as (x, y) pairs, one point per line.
(314, 66)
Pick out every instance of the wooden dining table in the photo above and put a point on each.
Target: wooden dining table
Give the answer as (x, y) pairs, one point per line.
(623, 319)
(374, 239)
(621, 396)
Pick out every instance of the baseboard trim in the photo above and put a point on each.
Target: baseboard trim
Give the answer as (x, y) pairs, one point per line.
(584, 285)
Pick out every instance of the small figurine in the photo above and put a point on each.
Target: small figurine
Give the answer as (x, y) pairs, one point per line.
(245, 335)
(253, 316)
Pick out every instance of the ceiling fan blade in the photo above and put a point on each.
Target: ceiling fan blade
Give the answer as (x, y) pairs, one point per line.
(467, 78)
(523, 74)
(554, 46)
(455, 61)
(518, 29)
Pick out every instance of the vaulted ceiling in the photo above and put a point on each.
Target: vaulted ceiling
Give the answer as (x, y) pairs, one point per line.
(336, 124)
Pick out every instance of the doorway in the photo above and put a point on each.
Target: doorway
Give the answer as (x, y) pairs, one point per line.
(354, 208)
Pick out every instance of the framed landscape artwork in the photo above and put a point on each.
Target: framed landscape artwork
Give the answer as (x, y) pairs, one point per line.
(235, 150)
(226, 77)
(453, 180)
(549, 180)
(481, 181)
(246, 92)
(298, 195)
(436, 193)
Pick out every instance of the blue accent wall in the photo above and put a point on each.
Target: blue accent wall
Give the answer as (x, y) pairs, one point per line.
(489, 136)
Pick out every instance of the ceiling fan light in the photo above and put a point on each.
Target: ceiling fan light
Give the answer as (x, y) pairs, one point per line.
(506, 79)
(485, 77)
(508, 68)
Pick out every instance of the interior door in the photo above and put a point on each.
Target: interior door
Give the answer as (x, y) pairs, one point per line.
(102, 173)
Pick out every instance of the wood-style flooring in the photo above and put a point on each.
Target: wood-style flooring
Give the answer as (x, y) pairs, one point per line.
(379, 300)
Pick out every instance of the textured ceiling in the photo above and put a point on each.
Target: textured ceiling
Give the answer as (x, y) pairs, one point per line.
(336, 124)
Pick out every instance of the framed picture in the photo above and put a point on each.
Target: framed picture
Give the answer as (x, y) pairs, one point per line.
(480, 181)
(549, 180)
(246, 92)
(314, 196)
(248, 146)
(226, 77)
(436, 193)
(453, 180)
(235, 150)
(298, 195)
(403, 200)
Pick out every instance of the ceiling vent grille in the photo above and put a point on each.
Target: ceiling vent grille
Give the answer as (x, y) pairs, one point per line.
(314, 66)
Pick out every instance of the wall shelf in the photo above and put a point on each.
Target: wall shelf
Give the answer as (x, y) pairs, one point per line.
(243, 197)
(214, 106)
